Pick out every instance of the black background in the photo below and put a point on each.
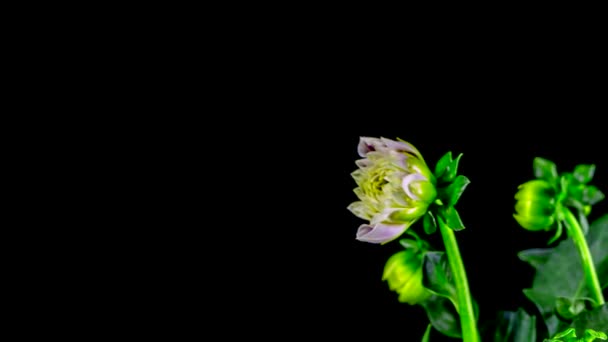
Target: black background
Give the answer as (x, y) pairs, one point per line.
(335, 285)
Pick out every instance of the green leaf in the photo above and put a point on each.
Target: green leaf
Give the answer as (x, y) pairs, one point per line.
(443, 164)
(409, 243)
(591, 335)
(591, 195)
(545, 169)
(417, 243)
(569, 308)
(443, 305)
(451, 217)
(427, 334)
(559, 273)
(584, 173)
(443, 316)
(437, 276)
(535, 257)
(575, 191)
(565, 180)
(568, 335)
(596, 319)
(558, 232)
(515, 327)
(451, 170)
(429, 223)
(455, 189)
(555, 324)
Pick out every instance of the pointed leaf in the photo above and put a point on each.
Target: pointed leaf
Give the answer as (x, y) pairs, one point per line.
(421, 244)
(427, 334)
(451, 170)
(443, 164)
(545, 169)
(409, 243)
(429, 223)
(558, 232)
(568, 335)
(584, 173)
(452, 218)
(575, 191)
(592, 195)
(455, 190)
(555, 324)
(570, 332)
(443, 316)
(437, 276)
(535, 257)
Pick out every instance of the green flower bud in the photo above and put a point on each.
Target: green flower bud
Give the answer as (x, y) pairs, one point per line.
(535, 206)
(403, 272)
(395, 188)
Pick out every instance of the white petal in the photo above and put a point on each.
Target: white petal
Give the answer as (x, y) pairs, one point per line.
(383, 216)
(360, 210)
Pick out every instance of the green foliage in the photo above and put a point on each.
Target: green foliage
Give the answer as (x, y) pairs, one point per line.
(442, 165)
(515, 327)
(418, 244)
(437, 276)
(443, 315)
(579, 194)
(429, 223)
(566, 335)
(596, 319)
(447, 168)
(451, 217)
(584, 173)
(442, 307)
(450, 187)
(427, 334)
(545, 169)
(569, 335)
(558, 288)
(455, 190)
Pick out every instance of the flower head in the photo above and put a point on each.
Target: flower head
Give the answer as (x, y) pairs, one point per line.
(540, 202)
(536, 205)
(403, 272)
(395, 188)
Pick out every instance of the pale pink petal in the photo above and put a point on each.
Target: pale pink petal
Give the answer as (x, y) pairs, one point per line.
(380, 233)
(367, 144)
(400, 146)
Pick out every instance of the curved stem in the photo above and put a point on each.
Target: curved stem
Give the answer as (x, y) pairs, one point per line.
(576, 234)
(465, 303)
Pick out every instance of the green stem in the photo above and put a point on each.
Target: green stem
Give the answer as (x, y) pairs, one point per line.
(465, 303)
(576, 234)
